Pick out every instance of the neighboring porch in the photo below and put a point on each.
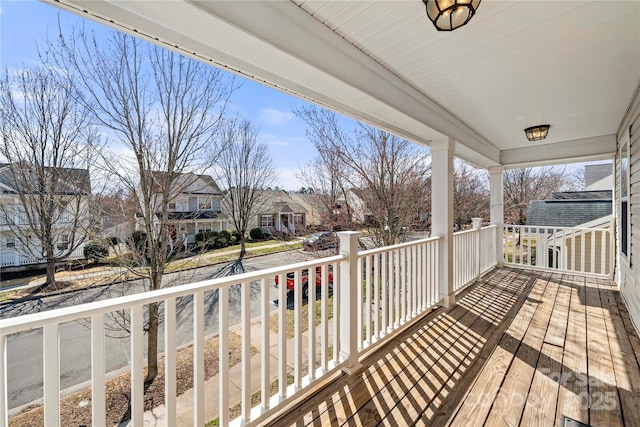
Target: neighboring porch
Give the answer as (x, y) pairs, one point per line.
(520, 347)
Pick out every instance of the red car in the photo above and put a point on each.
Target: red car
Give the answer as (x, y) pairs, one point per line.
(305, 281)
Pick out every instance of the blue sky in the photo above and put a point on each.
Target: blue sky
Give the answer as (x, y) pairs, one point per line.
(25, 23)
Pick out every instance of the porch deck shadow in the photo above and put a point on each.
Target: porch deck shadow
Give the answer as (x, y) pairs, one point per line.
(521, 347)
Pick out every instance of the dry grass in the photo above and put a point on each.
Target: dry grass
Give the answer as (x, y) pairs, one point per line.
(290, 314)
(75, 410)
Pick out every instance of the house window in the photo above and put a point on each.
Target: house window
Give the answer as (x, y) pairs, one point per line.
(172, 205)
(298, 219)
(266, 220)
(624, 230)
(10, 242)
(204, 203)
(205, 227)
(63, 243)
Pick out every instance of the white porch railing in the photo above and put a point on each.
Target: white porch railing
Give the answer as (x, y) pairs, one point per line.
(488, 248)
(259, 282)
(570, 249)
(378, 293)
(474, 253)
(398, 283)
(13, 257)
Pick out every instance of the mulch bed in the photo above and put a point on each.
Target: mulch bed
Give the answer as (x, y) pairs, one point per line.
(75, 410)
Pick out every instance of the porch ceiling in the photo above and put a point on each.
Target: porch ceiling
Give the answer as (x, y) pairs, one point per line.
(572, 64)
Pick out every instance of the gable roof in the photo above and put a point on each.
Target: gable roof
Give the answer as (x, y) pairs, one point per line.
(279, 201)
(582, 195)
(188, 183)
(595, 173)
(19, 178)
(567, 212)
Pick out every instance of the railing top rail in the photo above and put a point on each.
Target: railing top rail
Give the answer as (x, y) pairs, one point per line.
(397, 246)
(553, 227)
(459, 233)
(61, 315)
(489, 227)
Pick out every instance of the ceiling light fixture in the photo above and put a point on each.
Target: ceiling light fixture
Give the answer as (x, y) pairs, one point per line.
(447, 15)
(537, 133)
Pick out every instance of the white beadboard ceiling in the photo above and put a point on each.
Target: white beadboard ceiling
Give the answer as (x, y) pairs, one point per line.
(572, 64)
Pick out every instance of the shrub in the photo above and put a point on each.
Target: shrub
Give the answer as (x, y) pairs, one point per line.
(139, 240)
(256, 233)
(95, 250)
(208, 239)
(226, 234)
(236, 236)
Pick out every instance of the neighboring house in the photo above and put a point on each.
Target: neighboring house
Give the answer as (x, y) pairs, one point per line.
(584, 210)
(15, 227)
(598, 177)
(349, 209)
(570, 209)
(309, 202)
(195, 206)
(280, 213)
(359, 210)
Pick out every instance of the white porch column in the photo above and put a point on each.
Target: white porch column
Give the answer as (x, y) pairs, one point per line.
(348, 301)
(442, 213)
(496, 184)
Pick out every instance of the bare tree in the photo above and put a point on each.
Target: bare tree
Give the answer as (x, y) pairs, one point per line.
(522, 186)
(162, 112)
(326, 184)
(326, 174)
(244, 167)
(391, 173)
(470, 194)
(45, 140)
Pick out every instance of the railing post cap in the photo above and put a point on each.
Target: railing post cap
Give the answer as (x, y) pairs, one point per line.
(349, 233)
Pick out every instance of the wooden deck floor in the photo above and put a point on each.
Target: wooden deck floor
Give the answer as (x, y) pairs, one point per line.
(522, 348)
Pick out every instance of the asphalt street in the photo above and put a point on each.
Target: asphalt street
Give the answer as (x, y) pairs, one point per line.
(24, 350)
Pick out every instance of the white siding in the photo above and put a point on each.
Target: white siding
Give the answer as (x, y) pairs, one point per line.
(629, 277)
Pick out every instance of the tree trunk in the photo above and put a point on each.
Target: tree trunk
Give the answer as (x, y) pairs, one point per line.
(243, 248)
(51, 271)
(152, 343)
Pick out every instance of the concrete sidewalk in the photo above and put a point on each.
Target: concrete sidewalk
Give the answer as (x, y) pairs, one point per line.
(32, 282)
(184, 402)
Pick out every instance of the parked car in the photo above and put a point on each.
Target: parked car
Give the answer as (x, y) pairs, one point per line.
(321, 240)
(305, 281)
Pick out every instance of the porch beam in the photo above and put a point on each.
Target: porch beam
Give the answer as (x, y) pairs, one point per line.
(577, 150)
(442, 153)
(496, 189)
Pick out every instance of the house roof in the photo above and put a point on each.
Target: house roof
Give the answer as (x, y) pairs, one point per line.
(280, 201)
(189, 183)
(19, 179)
(184, 216)
(595, 173)
(582, 195)
(178, 216)
(567, 212)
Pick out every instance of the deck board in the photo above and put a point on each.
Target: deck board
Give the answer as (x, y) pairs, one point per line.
(625, 364)
(520, 348)
(604, 404)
